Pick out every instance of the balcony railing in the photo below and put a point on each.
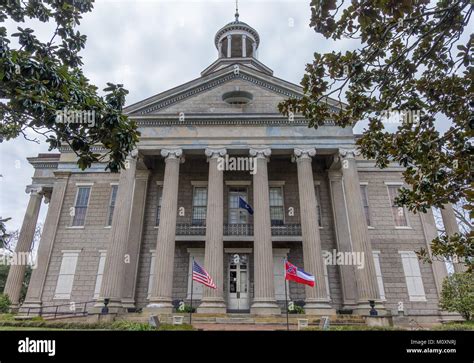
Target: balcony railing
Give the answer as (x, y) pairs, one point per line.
(189, 229)
(292, 229)
(237, 229)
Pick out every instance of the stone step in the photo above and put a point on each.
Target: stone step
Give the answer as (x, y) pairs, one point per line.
(235, 321)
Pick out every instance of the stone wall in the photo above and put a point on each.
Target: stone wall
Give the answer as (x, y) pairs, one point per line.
(389, 241)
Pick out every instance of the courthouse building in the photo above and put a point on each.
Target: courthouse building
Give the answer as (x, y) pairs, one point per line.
(130, 238)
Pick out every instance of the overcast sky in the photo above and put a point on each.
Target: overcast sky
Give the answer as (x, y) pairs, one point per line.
(153, 45)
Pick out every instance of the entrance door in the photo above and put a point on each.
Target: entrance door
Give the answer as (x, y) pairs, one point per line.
(238, 282)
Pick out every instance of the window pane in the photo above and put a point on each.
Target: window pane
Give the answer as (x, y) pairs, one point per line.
(237, 215)
(113, 197)
(365, 202)
(398, 212)
(199, 206)
(158, 206)
(80, 208)
(317, 190)
(200, 197)
(276, 197)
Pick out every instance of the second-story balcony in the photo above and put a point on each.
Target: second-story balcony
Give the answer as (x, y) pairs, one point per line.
(237, 229)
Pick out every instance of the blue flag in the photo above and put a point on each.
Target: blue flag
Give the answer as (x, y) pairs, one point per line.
(244, 205)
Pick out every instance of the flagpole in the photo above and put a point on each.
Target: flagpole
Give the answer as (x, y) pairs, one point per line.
(286, 300)
(192, 281)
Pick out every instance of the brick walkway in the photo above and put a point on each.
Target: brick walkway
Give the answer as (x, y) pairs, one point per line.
(242, 327)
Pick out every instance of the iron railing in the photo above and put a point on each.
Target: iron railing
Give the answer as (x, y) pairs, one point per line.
(189, 229)
(237, 229)
(292, 229)
(59, 311)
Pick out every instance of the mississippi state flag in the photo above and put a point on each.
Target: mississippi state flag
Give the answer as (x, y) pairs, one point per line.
(296, 274)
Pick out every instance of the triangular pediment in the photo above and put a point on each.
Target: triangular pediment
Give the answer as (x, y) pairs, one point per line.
(204, 95)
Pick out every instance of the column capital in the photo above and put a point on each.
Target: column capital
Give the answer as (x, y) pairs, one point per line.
(34, 190)
(260, 152)
(133, 154)
(304, 153)
(349, 153)
(229, 36)
(172, 154)
(213, 152)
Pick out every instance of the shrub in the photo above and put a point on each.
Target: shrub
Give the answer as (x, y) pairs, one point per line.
(296, 310)
(186, 309)
(4, 304)
(131, 325)
(458, 294)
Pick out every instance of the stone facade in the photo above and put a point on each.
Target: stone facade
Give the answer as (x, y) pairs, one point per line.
(231, 108)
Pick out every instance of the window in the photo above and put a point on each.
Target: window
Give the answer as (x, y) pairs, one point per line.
(317, 191)
(113, 197)
(411, 268)
(151, 278)
(237, 215)
(80, 207)
(199, 206)
(158, 205)
(100, 273)
(365, 201)
(276, 206)
(378, 274)
(66, 274)
(399, 215)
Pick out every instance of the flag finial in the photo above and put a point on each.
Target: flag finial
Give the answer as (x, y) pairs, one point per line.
(236, 10)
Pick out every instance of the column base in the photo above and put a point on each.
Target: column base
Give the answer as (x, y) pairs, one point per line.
(349, 307)
(114, 307)
(128, 304)
(159, 306)
(363, 308)
(30, 308)
(265, 308)
(318, 307)
(14, 308)
(212, 306)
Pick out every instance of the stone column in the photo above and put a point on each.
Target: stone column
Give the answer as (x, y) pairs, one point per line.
(38, 275)
(135, 237)
(161, 291)
(431, 232)
(115, 261)
(213, 299)
(316, 297)
(219, 50)
(264, 302)
(365, 277)
(451, 227)
(244, 45)
(254, 50)
(229, 46)
(343, 238)
(16, 273)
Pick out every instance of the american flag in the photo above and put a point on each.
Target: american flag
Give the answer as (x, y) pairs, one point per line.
(200, 275)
